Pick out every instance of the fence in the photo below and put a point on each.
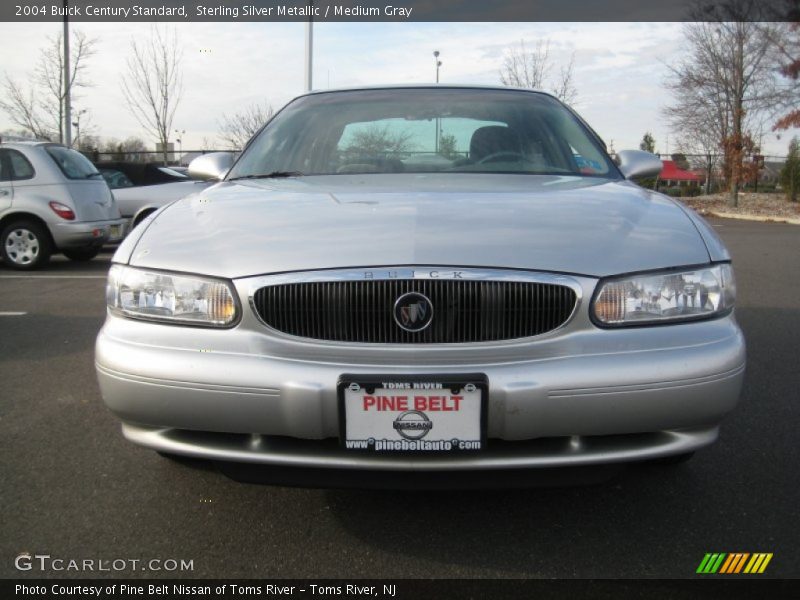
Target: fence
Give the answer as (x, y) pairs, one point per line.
(174, 159)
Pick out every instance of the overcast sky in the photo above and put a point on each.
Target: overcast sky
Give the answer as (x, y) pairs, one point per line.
(619, 68)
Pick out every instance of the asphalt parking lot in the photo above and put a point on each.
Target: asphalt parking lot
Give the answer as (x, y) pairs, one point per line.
(73, 488)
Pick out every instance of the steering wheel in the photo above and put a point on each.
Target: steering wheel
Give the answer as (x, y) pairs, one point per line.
(503, 156)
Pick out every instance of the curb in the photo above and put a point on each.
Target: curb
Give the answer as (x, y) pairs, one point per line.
(741, 217)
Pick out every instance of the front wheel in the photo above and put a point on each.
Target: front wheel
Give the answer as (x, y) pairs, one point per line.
(25, 245)
(81, 254)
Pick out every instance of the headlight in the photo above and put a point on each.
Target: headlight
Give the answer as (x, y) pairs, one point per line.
(665, 296)
(169, 297)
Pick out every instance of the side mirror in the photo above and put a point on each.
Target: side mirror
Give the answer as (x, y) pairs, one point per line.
(214, 165)
(637, 164)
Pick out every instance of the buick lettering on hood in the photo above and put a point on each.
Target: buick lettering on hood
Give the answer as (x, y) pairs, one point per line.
(422, 279)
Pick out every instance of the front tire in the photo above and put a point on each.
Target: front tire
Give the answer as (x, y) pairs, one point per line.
(81, 254)
(25, 245)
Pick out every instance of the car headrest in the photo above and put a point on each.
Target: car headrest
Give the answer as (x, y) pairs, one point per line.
(493, 139)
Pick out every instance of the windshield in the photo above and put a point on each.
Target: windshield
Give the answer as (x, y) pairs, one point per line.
(424, 130)
(116, 179)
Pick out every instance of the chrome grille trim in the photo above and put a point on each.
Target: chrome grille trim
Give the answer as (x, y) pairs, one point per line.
(467, 290)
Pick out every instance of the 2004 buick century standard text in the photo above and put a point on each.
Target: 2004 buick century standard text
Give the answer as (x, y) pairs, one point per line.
(423, 279)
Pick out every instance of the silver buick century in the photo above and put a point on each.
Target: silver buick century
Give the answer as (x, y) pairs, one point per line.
(423, 279)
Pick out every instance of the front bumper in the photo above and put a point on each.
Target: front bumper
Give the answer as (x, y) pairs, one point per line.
(88, 233)
(499, 455)
(582, 397)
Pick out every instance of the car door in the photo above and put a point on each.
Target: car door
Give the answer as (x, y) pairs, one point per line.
(6, 189)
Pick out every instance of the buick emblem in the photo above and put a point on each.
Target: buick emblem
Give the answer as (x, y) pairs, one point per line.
(413, 424)
(413, 312)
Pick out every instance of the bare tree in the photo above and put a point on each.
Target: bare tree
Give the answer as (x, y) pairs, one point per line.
(207, 144)
(564, 87)
(88, 143)
(24, 110)
(524, 68)
(39, 108)
(727, 84)
(50, 73)
(702, 124)
(130, 149)
(699, 138)
(237, 129)
(153, 83)
(530, 69)
(15, 135)
(375, 140)
(447, 146)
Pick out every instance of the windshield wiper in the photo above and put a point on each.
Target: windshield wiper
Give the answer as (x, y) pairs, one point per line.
(93, 175)
(271, 175)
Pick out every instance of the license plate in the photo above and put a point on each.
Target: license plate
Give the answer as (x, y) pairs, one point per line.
(413, 414)
(115, 233)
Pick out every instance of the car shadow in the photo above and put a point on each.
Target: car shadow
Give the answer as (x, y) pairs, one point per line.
(661, 519)
(516, 530)
(61, 265)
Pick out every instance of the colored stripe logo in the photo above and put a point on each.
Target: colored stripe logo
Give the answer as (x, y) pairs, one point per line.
(734, 563)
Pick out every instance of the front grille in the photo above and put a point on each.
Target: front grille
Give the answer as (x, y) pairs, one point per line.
(463, 311)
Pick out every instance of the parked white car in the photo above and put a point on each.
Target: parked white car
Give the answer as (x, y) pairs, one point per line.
(52, 199)
(142, 188)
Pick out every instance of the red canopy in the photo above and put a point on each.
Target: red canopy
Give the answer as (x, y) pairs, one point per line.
(671, 172)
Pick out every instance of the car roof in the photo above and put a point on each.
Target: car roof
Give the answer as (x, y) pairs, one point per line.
(413, 86)
(28, 143)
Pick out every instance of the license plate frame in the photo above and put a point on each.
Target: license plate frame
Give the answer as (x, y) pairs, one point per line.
(448, 381)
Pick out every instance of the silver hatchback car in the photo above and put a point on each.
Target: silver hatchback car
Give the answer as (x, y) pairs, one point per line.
(52, 199)
(423, 279)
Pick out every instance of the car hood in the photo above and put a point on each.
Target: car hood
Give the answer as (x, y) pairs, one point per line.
(579, 225)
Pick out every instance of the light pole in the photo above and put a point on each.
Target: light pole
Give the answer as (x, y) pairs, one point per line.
(67, 92)
(309, 62)
(179, 139)
(77, 124)
(438, 64)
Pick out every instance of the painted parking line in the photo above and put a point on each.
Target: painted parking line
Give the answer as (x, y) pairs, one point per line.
(11, 313)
